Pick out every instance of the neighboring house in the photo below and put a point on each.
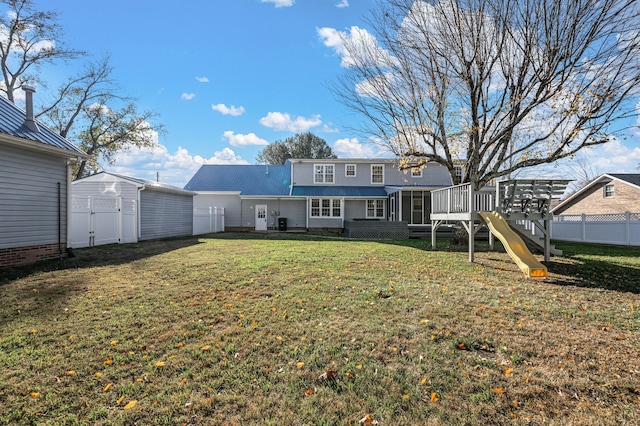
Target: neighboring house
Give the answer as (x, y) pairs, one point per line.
(108, 208)
(609, 193)
(35, 174)
(318, 194)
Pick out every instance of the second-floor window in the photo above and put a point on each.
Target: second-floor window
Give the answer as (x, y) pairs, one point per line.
(323, 173)
(377, 173)
(609, 191)
(416, 172)
(459, 172)
(350, 170)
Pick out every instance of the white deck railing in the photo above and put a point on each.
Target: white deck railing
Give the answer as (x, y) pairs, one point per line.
(461, 199)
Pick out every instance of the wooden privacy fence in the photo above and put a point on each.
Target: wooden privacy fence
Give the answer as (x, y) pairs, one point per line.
(207, 220)
(618, 228)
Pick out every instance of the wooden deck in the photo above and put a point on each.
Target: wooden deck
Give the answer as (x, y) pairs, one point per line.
(516, 200)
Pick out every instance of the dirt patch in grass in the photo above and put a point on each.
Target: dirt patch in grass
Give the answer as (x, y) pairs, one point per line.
(241, 329)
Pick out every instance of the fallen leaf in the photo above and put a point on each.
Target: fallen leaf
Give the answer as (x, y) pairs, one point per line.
(367, 420)
(498, 390)
(309, 392)
(71, 372)
(106, 388)
(34, 394)
(98, 374)
(423, 381)
(300, 364)
(108, 361)
(434, 397)
(120, 400)
(160, 364)
(206, 348)
(131, 404)
(507, 371)
(179, 344)
(328, 375)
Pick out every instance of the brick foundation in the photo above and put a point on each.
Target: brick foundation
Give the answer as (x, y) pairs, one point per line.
(26, 255)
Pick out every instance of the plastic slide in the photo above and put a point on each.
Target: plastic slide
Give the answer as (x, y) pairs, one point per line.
(514, 245)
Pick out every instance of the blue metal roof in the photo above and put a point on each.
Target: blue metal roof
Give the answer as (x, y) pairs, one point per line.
(271, 180)
(339, 191)
(12, 123)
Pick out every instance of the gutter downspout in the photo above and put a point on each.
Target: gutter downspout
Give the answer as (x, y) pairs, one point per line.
(69, 206)
(60, 219)
(139, 212)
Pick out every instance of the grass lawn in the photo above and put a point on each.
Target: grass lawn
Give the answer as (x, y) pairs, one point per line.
(271, 329)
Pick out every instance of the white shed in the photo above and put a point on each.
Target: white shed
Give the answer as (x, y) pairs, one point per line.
(107, 208)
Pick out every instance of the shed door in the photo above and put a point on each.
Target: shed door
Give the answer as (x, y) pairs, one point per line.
(105, 220)
(261, 217)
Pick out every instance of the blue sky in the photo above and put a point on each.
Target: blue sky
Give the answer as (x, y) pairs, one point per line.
(229, 76)
(225, 76)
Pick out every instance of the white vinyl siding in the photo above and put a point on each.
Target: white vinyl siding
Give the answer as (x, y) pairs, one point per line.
(323, 173)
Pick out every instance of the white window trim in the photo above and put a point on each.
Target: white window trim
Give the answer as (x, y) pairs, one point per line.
(331, 200)
(355, 172)
(377, 183)
(613, 191)
(419, 175)
(375, 216)
(324, 174)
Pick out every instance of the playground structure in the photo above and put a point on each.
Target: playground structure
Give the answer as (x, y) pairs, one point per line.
(515, 210)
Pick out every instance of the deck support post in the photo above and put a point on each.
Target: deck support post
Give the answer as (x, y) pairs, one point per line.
(435, 224)
(547, 240)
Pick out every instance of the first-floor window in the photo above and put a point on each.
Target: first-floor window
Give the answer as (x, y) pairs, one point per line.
(375, 208)
(326, 207)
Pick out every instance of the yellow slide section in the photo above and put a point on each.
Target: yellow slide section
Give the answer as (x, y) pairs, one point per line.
(514, 245)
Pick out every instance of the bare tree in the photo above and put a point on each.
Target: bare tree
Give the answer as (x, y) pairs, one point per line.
(28, 39)
(498, 85)
(89, 109)
(107, 132)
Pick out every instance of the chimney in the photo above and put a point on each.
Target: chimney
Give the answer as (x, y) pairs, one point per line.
(29, 121)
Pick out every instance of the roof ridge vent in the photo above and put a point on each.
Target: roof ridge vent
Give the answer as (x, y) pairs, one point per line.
(29, 120)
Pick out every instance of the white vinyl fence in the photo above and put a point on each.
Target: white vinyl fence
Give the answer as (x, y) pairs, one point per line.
(618, 229)
(207, 220)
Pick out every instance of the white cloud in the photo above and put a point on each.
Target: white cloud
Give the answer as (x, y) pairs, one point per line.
(343, 3)
(187, 96)
(280, 3)
(283, 121)
(173, 168)
(243, 140)
(352, 148)
(202, 79)
(225, 110)
(358, 42)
